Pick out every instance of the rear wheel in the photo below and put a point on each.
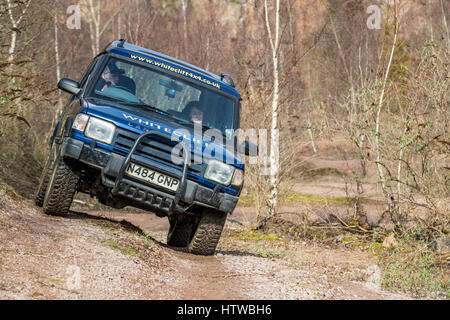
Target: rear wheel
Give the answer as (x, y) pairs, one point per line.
(207, 234)
(61, 188)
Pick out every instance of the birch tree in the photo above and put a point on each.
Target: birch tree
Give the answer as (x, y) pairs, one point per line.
(184, 4)
(97, 27)
(274, 41)
(445, 22)
(94, 21)
(138, 19)
(16, 19)
(380, 169)
(57, 60)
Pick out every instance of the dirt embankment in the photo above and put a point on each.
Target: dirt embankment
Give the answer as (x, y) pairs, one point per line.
(89, 256)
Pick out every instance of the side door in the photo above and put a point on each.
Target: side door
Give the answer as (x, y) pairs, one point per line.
(73, 107)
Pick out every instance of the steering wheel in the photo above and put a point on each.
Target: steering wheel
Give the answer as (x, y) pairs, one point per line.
(124, 88)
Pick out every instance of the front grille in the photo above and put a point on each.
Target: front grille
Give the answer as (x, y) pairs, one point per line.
(153, 147)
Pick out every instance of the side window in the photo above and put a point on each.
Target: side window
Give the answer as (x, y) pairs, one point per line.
(88, 72)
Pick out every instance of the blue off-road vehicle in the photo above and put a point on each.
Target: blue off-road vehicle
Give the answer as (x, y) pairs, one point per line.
(134, 133)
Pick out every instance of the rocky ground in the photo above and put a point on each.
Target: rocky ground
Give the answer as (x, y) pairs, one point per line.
(123, 255)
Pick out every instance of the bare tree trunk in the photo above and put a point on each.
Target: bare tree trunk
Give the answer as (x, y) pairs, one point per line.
(207, 52)
(94, 26)
(57, 68)
(184, 4)
(429, 13)
(137, 23)
(387, 193)
(274, 134)
(362, 133)
(133, 21)
(311, 136)
(251, 28)
(341, 52)
(91, 31)
(291, 29)
(445, 21)
(119, 22)
(308, 123)
(15, 22)
(12, 46)
(399, 175)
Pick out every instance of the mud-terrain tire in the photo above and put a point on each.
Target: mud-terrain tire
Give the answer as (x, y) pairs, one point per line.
(45, 175)
(61, 189)
(207, 234)
(43, 182)
(180, 232)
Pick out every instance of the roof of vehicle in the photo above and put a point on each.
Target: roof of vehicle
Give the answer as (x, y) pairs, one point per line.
(171, 64)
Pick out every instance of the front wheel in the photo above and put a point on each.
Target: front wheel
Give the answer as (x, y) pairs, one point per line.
(61, 188)
(45, 175)
(180, 232)
(206, 237)
(43, 183)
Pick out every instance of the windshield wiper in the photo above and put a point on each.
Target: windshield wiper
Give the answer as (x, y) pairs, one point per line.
(147, 106)
(184, 121)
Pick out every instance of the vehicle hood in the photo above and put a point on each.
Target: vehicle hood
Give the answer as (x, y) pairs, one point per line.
(139, 120)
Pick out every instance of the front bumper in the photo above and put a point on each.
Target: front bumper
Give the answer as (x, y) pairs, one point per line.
(161, 201)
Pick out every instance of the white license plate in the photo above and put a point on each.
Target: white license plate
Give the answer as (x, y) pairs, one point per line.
(153, 177)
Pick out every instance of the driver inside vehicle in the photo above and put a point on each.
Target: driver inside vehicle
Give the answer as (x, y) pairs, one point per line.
(111, 75)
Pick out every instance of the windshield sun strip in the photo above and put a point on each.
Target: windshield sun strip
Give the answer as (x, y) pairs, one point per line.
(174, 75)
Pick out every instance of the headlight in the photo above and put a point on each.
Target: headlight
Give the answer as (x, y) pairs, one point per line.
(219, 172)
(80, 121)
(238, 178)
(100, 130)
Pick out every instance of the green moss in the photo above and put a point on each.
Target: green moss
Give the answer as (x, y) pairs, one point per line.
(125, 250)
(317, 233)
(246, 201)
(6, 190)
(295, 197)
(254, 235)
(411, 267)
(376, 246)
(266, 252)
(36, 294)
(148, 241)
(53, 280)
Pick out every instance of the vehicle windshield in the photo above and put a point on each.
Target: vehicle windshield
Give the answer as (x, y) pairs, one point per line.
(184, 101)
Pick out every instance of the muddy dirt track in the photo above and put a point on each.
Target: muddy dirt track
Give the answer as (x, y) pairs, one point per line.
(110, 255)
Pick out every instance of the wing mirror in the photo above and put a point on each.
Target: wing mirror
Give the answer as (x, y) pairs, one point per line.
(69, 85)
